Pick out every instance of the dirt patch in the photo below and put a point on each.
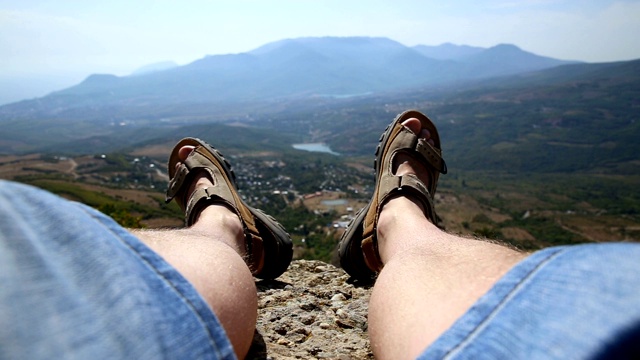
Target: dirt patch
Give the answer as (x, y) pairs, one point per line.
(13, 166)
(456, 210)
(325, 201)
(163, 223)
(365, 168)
(599, 228)
(517, 234)
(159, 151)
(142, 197)
(5, 159)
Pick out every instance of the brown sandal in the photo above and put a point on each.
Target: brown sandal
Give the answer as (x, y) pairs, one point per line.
(268, 246)
(358, 248)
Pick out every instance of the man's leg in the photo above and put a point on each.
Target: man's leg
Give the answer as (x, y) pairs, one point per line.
(210, 255)
(429, 279)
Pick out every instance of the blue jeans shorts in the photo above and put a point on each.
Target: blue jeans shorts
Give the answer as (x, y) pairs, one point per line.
(568, 302)
(74, 284)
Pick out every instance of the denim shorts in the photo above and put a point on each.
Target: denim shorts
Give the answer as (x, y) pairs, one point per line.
(569, 302)
(74, 284)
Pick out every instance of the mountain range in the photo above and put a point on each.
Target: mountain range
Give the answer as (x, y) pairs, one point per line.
(282, 70)
(498, 109)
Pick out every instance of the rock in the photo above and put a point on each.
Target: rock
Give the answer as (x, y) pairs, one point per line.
(311, 312)
(338, 297)
(308, 306)
(308, 319)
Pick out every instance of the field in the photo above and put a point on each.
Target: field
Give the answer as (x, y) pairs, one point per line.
(539, 210)
(529, 211)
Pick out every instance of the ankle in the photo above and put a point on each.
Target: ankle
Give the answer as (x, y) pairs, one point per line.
(399, 211)
(401, 220)
(216, 217)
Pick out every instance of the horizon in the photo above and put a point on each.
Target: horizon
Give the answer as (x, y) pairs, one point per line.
(48, 46)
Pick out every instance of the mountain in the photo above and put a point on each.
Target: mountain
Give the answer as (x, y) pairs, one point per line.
(499, 60)
(448, 51)
(279, 71)
(575, 117)
(564, 117)
(506, 59)
(155, 67)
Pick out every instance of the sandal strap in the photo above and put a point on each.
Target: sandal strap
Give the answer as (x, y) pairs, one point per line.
(203, 197)
(222, 192)
(390, 185)
(407, 141)
(432, 155)
(182, 179)
(176, 183)
(395, 186)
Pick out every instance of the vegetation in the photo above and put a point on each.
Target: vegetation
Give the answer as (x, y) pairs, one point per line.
(127, 213)
(552, 208)
(546, 159)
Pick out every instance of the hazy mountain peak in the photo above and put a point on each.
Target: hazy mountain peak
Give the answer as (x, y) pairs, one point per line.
(505, 46)
(155, 67)
(329, 66)
(328, 43)
(513, 53)
(100, 79)
(506, 59)
(447, 51)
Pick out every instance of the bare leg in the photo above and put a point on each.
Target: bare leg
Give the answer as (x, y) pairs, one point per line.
(429, 279)
(209, 254)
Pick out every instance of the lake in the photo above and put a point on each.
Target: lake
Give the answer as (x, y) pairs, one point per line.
(315, 147)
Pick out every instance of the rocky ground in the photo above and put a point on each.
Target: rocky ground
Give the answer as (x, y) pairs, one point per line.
(311, 312)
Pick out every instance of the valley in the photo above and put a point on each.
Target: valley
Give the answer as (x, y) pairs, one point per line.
(315, 195)
(536, 158)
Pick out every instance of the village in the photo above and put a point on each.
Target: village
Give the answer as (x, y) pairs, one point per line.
(314, 197)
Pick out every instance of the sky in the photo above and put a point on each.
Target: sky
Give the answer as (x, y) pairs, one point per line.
(48, 45)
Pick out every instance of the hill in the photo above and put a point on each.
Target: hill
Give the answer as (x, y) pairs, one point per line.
(448, 51)
(579, 117)
(276, 72)
(574, 117)
(151, 68)
(536, 159)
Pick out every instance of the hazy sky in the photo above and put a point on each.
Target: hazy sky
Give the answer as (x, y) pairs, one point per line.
(61, 41)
